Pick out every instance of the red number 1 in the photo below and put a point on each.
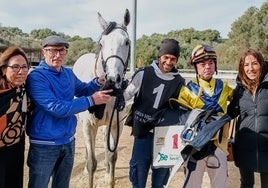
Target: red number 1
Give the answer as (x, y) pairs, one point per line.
(175, 141)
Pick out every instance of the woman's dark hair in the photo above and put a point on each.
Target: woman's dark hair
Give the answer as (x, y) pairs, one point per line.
(249, 84)
(4, 59)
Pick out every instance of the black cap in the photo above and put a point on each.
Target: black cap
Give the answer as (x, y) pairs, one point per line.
(169, 46)
(55, 40)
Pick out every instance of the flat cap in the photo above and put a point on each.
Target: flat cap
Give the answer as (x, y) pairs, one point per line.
(55, 40)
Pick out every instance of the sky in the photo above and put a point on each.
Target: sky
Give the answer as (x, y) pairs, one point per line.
(79, 17)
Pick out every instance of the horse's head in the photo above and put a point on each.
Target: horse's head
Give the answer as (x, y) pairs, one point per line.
(114, 51)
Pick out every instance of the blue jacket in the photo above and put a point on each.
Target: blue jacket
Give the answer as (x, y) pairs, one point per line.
(52, 92)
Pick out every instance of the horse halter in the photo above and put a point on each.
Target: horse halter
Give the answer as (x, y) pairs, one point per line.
(112, 26)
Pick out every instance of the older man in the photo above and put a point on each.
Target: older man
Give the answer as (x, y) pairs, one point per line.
(52, 89)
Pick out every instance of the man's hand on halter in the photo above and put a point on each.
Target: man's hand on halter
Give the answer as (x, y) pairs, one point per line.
(102, 97)
(101, 80)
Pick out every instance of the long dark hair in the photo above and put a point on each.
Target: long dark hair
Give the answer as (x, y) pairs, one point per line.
(249, 84)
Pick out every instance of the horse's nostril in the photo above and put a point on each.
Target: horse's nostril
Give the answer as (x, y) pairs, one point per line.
(118, 78)
(108, 81)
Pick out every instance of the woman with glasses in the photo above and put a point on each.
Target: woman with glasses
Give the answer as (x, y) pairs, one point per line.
(250, 103)
(207, 93)
(14, 68)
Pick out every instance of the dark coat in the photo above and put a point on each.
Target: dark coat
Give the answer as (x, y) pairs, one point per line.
(251, 138)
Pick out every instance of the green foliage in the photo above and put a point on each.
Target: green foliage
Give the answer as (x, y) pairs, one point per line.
(146, 50)
(42, 33)
(249, 31)
(147, 47)
(78, 47)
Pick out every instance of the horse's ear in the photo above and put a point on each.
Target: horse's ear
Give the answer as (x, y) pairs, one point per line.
(126, 17)
(102, 22)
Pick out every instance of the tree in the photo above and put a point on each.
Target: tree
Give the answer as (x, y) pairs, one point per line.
(42, 33)
(78, 47)
(249, 31)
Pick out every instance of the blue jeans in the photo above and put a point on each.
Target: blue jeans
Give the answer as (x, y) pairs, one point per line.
(47, 161)
(140, 163)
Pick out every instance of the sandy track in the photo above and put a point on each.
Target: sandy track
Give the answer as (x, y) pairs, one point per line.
(79, 177)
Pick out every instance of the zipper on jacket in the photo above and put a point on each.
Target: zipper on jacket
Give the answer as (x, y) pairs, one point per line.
(255, 128)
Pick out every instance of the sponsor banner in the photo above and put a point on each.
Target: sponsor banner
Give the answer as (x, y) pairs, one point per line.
(167, 145)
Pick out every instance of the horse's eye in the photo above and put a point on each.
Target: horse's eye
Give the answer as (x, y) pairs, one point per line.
(127, 42)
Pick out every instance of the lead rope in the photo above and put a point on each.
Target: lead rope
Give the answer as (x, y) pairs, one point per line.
(119, 105)
(117, 129)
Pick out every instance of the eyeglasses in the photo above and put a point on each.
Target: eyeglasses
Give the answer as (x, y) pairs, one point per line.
(53, 51)
(17, 68)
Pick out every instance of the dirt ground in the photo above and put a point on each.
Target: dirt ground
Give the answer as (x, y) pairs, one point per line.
(79, 177)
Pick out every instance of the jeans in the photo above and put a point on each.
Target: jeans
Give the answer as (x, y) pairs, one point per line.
(140, 163)
(47, 161)
(247, 179)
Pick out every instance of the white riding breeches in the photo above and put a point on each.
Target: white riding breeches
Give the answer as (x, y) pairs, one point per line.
(218, 176)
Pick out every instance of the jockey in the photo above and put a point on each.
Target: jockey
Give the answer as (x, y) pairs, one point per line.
(207, 93)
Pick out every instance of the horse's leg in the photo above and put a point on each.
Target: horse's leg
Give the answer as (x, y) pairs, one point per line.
(90, 132)
(111, 157)
(110, 160)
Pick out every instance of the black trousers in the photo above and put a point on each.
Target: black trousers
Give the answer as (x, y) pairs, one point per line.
(11, 165)
(247, 179)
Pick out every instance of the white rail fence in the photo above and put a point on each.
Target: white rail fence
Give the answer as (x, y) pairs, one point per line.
(189, 74)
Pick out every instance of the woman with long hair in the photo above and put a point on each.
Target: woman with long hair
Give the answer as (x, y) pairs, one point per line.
(250, 104)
